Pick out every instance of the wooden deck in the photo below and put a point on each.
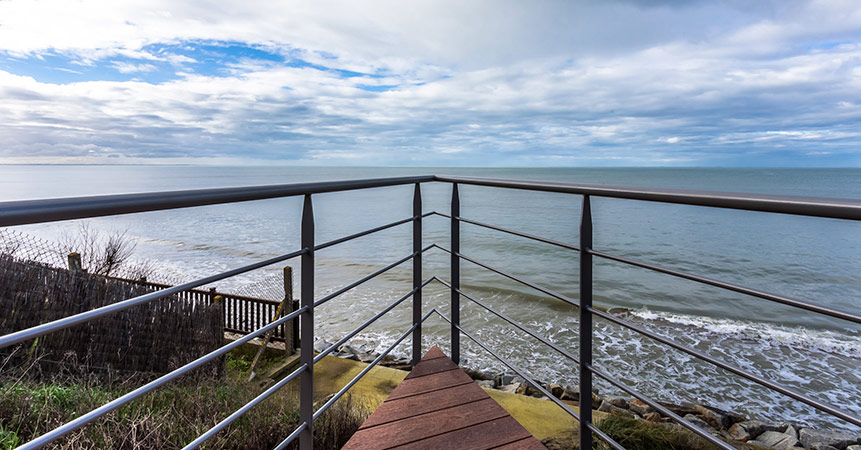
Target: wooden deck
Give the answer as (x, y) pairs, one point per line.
(438, 406)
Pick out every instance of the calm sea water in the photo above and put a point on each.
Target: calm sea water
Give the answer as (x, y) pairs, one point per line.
(816, 260)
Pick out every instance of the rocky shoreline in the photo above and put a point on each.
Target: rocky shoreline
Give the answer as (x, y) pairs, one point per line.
(741, 432)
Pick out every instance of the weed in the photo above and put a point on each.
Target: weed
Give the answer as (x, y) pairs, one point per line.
(169, 417)
(638, 434)
(8, 438)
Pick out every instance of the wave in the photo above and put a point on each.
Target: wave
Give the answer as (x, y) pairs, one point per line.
(846, 344)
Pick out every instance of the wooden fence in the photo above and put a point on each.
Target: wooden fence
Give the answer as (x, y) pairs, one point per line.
(242, 314)
(155, 337)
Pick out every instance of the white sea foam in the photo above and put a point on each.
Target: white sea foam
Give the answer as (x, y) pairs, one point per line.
(844, 344)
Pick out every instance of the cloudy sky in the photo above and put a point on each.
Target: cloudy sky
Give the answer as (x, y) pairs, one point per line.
(512, 83)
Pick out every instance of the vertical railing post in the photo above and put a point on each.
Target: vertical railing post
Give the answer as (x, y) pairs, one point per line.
(455, 274)
(417, 274)
(585, 324)
(306, 327)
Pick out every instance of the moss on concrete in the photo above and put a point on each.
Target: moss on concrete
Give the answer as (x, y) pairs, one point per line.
(331, 374)
(543, 418)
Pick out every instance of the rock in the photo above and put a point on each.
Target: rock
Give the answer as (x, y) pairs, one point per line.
(852, 447)
(477, 374)
(753, 428)
(828, 447)
(790, 431)
(570, 396)
(680, 410)
(619, 402)
(557, 443)
(596, 401)
(511, 388)
(809, 437)
(607, 407)
(750, 429)
(485, 383)
(346, 355)
(775, 439)
(653, 417)
(639, 407)
(714, 417)
(366, 357)
(347, 348)
(700, 423)
(555, 389)
(527, 389)
(321, 344)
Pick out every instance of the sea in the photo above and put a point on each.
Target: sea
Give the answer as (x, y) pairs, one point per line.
(811, 259)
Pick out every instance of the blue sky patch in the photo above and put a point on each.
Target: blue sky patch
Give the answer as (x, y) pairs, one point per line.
(165, 62)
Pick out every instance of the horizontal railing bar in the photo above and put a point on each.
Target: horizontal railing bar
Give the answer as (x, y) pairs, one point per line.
(761, 381)
(849, 209)
(504, 317)
(158, 382)
(549, 292)
(605, 437)
(369, 277)
(367, 232)
(662, 409)
(736, 288)
(516, 233)
(239, 412)
(291, 437)
(350, 335)
(59, 324)
(517, 370)
(369, 367)
(52, 210)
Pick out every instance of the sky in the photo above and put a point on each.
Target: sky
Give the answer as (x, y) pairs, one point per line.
(432, 83)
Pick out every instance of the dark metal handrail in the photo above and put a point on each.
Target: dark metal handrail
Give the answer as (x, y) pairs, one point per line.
(784, 204)
(52, 210)
(37, 211)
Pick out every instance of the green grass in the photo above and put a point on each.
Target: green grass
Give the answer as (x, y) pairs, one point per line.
(166, 418)
(8, 439)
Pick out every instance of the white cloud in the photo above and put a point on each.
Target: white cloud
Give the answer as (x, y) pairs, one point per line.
(123, 67)
(549, 82)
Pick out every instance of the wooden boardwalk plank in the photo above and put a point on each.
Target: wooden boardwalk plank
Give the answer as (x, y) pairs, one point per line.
(434, 353)
(483, 436)
(430, 367)
(439, 381)
(423, 403)
(415, 428)
(438, 406)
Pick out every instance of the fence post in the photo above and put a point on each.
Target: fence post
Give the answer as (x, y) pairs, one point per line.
(455, 274)
(287, 308)
(74, 262)
(417, 274)
(585, 324)
(306, 328)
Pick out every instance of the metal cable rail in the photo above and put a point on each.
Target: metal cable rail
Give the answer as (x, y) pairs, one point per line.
(38, 211)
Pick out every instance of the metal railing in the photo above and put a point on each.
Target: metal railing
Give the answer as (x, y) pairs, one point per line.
(27, 212)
